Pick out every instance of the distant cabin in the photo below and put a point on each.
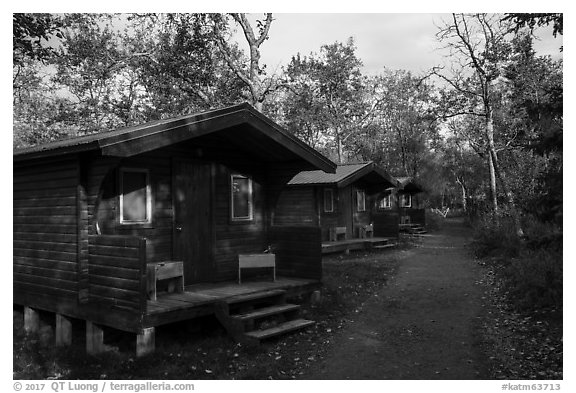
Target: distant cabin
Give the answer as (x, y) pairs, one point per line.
(93, 214)
(345, 200)
(406, 199)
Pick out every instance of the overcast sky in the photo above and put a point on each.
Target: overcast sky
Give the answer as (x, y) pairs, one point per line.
(395, 41)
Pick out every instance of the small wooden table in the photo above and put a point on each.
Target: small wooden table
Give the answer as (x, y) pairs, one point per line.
(169, 270)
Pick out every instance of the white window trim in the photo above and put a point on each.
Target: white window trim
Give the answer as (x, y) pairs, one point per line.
(331, 192)
(388, 203)
(409, 204)
(358, 199)
(148, 196)
(250, 216)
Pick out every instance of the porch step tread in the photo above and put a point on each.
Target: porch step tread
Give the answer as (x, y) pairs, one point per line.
(285, 327)
(265, 312)
(382, 246)
(255, 296)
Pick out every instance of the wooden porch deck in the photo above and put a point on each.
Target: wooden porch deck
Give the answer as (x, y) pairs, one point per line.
(358, 244)
(201, 299)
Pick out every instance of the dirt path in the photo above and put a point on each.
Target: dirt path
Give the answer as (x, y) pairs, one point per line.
(423, 325)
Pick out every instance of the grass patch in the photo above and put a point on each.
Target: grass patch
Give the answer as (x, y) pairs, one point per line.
(201, 350)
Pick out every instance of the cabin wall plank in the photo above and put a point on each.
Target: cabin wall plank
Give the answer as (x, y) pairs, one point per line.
(116, 271)
(296, 206)
(45, 228)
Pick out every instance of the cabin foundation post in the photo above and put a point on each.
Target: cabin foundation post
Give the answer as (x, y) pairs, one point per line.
(94, 339)
(31, 320)
(145, 342)
(63, 331)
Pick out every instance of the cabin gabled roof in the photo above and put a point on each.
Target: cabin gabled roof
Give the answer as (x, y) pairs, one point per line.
(240, 125)
(409, 184)
(345, 174)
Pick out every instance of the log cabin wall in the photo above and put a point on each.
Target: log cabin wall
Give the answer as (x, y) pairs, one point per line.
(229, 238)
(46, 232)
(416, 212)
(328, 219)
(297, 206)
(116, 272)
(360, 218)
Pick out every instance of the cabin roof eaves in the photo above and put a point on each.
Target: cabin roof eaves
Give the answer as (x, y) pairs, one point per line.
(129, 141)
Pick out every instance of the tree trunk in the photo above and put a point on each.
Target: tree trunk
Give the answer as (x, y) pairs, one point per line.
(489, 129)
(339, 147)
(464, 194)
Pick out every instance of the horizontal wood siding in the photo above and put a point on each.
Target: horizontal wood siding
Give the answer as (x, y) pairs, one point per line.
(360, 218)
(116, 271)
(296, 206)
(235, 237)
(45, 230)
(103, 201)
(298, 251)
(386, 223)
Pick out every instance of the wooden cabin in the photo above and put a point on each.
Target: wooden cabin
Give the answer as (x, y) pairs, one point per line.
(407, 200)
(342, 204)
(157, 223)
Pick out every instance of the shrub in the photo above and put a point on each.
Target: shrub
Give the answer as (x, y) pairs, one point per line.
(531, 263)
(536, 279)
(496, 237)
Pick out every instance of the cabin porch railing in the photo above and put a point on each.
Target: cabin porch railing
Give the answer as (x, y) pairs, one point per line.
(117, 272)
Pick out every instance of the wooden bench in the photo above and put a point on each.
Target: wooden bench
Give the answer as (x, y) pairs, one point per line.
(169, 270)
(337, 231)
(366, 231)
(250, 261)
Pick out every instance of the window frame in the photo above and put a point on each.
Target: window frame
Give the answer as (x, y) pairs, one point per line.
(358, 194)
(148, 219)
(250, 216)
(387, 198)
(402, 201)
(331, 191)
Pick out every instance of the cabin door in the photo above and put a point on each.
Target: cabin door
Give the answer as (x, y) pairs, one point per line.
(192, 185)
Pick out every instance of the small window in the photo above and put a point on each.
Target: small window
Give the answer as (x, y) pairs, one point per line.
(135, 196)
(328, 200)
(386, 202)
(241, 198)
(406, 200)
(360, 201)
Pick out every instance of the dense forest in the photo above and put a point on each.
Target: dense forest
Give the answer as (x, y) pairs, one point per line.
(482, 133)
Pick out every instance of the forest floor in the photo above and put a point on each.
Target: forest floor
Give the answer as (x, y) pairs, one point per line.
(426, 310)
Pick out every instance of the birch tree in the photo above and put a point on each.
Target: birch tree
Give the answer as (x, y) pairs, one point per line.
(479, 52)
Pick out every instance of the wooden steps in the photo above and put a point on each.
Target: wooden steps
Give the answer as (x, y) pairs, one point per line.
(413, 229)
(286, 327)
(257, 316)
(265, 312)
